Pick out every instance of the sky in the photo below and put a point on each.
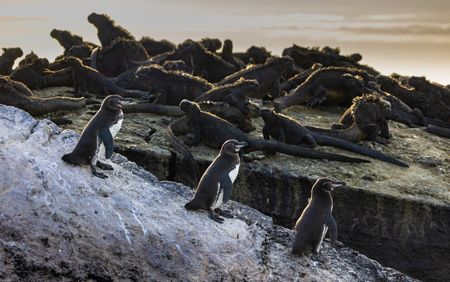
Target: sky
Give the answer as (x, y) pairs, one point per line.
(409, 37)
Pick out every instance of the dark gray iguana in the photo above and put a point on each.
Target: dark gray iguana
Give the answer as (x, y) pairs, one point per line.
(8, 58)
(268, 76)
(17, 94)
(107, 29)
(289, 131)
(346, 84)
(88, 79)
(171, 86)
(212, 131)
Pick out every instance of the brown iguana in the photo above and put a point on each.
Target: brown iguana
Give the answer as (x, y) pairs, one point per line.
(17, 94)
(268, 76)
(8, 58)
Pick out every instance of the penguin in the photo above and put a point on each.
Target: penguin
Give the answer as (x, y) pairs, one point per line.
(216, 184)
(316, 218)
(104, 125)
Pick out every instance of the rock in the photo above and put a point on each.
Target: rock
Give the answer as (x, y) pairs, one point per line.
(59, 223)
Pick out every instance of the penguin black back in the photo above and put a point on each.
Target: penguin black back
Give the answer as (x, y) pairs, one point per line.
(85, 150)
(216, 184)
(316, 218)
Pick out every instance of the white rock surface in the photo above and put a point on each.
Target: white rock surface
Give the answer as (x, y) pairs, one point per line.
(59, 223)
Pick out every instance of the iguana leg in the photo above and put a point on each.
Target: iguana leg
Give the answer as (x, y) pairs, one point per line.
(318, 98)
(310, 140)
(336, 126)
(161, 98)
(384, 130)
(275, 91)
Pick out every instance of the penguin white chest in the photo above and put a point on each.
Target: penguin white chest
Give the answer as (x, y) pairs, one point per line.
(234, 173)
(219, 196)
(115, 128)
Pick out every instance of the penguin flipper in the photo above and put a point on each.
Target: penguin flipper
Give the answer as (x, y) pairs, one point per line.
(226, 185)
(107, 139)
(332, 228)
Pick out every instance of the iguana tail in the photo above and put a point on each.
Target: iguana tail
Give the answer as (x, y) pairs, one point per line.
(343, 144)
(440, 131)
(183, 150)
(297, 151)
(158, 109)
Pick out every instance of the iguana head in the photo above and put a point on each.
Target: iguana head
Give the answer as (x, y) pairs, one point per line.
(15, 52)
(189, 107)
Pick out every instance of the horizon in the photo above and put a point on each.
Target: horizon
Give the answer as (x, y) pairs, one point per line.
(405, 37)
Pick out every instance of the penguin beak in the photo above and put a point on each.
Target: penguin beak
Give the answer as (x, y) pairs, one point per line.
(126, 100)
(239, 146)
(335, 184)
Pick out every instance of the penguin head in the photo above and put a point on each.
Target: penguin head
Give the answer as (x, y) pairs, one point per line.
(114, 102)
(232, 146)
(326, 185)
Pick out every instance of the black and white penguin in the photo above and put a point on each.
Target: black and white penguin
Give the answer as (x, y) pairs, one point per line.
(216, 184)
(104, 124)
(316, 218)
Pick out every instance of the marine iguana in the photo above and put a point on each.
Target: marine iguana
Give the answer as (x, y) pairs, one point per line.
(8, 58)
(289, 131)
(254, 55)
(17, 94)
(437, 130)
(213, 131)
(205, 64)
(268, 76)
(346, 84)
(399, 110)
(211, 44)
(73, 44)
(156, 47)
(338, 86)
(241, 89)
(178, 65)
(420, 83)
(171, 87)
(107, 29)
(365, 119)
(230, 112)
(227, 55)
(119, 56)
(88, 79)
(28, 59)
(31, 74)
(328, 57)
(430, 105)
(299, 78)
(62, 77)
(234, 105)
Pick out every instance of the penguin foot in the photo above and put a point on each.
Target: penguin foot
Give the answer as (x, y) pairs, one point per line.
(215, 217)
(104, 166)
(100, 175)
(224, 213)
(96, 173)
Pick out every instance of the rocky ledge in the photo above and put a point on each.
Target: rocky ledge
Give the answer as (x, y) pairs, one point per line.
(59, 223)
